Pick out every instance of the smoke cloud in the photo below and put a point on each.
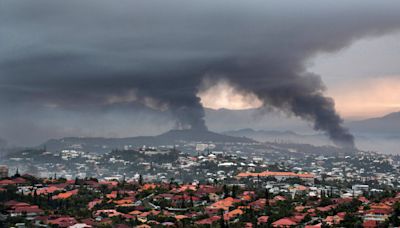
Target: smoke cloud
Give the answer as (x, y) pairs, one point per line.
(79, 55)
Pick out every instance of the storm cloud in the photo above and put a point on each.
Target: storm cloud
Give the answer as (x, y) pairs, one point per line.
(80, 55)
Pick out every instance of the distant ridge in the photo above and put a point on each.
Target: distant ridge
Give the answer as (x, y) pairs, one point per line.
(280, 136)
(386, 125)
(100, 144)
(193, 135)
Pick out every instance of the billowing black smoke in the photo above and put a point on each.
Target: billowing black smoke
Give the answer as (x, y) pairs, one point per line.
(97, 55)
(290, 89)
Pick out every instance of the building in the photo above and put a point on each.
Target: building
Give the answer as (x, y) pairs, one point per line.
(3, 171)
(154, 151)
(360, 187)
(279, 175)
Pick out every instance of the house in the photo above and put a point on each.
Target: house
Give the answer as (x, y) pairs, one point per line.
(168, 224)
(258, 204)
(319, 225)
(93, 203)
(65, 195)
(64, 221)
(370, 224)
(112, 195)
(326, 208)
(379, 215)
(279, 175)
(149, 186)
(107, 212)
(29, 211)
(16, 208)
(6, 182)
(80, 225)
(279, 198)
(181, 217)
(143, 226)
(135, 212)
(284, 222)
(126, 202)
(298, 218)
(13, 204)
(333, 220)
(233, 214)
(19, 181)
(208, 221)
(47, 190)
(206, 189)
(224, 204)
(262, 220)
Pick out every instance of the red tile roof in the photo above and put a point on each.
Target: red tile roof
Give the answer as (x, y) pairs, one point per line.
(319, 225)
(13, 203)
(379, 211)
(28, 209)
(112, 195)
(208, 221)
(63, 221)
(225, 203)
(7, 182)
(20, 180)
(370, 224)
(284, 222)
(66, 195)
(47, 190)
(262, 219)
(233, 214)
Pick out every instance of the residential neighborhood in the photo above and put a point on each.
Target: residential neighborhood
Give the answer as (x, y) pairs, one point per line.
(207, 188)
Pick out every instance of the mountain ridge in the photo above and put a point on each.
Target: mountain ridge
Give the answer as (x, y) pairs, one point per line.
(168, 138)
(388, 124)
(282, 136)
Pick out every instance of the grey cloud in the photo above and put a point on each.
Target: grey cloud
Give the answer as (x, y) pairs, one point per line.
(76, 54)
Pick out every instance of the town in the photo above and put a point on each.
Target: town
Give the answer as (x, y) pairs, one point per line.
(200, 184)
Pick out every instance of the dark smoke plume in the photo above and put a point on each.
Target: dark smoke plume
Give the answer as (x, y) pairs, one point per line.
(292, 91)
(98, 55)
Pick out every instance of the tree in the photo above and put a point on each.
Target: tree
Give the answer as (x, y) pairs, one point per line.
(234, 191)
(221, 221)
(140, 180)
(35, 197)
(17, 173)
(307, 218)
(350, 220)
(103, 188)
(226, 191)
(394, 219)
(171, 182)
(215, 182)
(191, 194)
(267, 194)
(123, 182)
(183, 205)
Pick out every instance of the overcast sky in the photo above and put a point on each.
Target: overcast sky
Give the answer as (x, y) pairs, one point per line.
(118, 68)
(367, 68)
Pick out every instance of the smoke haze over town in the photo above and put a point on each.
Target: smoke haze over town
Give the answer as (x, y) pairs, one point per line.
(114, 69)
